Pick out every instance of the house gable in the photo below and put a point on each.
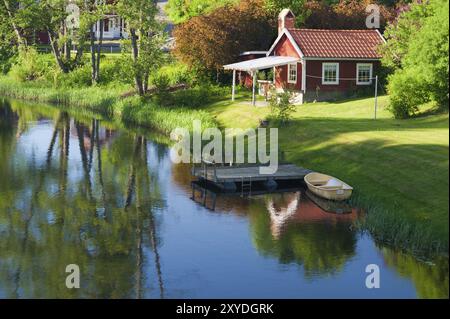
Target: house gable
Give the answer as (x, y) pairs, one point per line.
(286, 39)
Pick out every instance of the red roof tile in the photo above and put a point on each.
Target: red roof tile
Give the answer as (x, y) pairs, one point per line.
(338, 43)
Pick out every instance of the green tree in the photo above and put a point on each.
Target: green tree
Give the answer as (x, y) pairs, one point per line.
(418, 48)
(274, 7)
(91, 13)
(342, 14)
(10, 17)
(182, 10)
(49, 16)
(8, 39)
(146, 39)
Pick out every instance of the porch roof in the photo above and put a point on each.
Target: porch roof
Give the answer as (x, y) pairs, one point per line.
(261, 63)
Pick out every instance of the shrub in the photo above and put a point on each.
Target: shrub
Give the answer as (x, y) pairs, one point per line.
(176, 73)
(281, 106)
(162, 83)
(79, 77)
(115, 69)
(194, 97)
(407, 91)
(31, 65)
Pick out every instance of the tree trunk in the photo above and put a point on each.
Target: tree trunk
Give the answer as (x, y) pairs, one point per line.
(80, 51)
(99, 51)
(57, 53)
(135, 54)
(20, 39)
(67, 43)
(93, 59)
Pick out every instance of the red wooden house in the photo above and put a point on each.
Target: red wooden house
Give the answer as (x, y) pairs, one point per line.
(318, 64)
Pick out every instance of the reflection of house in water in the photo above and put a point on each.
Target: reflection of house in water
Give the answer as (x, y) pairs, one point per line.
(280, 215)
(292, 208)
(318, 241)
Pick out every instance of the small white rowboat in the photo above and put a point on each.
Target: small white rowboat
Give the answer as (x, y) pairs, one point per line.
(328, 187)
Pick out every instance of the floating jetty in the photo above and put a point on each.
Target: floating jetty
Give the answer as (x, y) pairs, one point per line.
(229, 178)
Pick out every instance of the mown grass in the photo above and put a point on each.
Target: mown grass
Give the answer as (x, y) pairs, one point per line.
(399, 168)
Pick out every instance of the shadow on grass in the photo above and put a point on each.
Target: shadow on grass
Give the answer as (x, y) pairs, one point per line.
(402, 183)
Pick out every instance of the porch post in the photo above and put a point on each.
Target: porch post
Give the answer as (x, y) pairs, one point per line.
(234, 86)
(304, 75)
(254, 88)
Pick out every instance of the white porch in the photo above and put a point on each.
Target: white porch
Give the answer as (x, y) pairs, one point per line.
(114, 27)
(252, 67)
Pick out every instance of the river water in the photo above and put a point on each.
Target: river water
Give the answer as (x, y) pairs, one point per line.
(81, 190)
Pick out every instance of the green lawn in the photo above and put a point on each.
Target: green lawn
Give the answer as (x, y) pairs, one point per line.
(399, 168)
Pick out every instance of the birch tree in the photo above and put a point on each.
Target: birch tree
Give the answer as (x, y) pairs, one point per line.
(146, 38)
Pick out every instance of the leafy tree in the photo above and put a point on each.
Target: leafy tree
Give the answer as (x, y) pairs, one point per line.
(344, 14)
(274, 7)
(210, 41)
(91, 13)
(182, 10)
(27, 16)
(146, 39)
(422, 63)
(7, 40)
(399, 33)
(10, 17)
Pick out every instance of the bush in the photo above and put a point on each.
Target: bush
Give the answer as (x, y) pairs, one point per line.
(161, 83)
(281, 106)
(6, 58)
(176, 73)
(115, 69)
(79, 77)
(31, 65)
(407, 92)
(196, 97)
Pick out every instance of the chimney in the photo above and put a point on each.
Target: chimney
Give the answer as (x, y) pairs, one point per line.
(286, 20)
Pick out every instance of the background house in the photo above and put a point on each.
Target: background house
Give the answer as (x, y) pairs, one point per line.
(318, 64)
(332, 62)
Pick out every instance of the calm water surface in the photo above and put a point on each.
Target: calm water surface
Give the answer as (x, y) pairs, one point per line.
(77, 190)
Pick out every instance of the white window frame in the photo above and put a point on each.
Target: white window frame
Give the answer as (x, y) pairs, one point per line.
(289, 73)
(358, 82)
(323, 73)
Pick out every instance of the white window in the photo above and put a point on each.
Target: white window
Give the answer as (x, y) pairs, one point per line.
(330, 73)
(292, 73)
(364, 73)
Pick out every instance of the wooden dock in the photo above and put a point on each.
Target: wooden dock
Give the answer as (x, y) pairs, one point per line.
(235, 174)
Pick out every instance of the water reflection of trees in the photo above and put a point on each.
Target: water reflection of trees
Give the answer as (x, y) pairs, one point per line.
(322, 246)
(429, 278)
(101, 217)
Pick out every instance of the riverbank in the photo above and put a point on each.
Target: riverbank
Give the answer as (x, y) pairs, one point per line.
(109, 101)
(399, 168)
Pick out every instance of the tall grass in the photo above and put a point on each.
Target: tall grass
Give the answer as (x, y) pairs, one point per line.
(146, 113)
(389, 228)
(107, 101)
